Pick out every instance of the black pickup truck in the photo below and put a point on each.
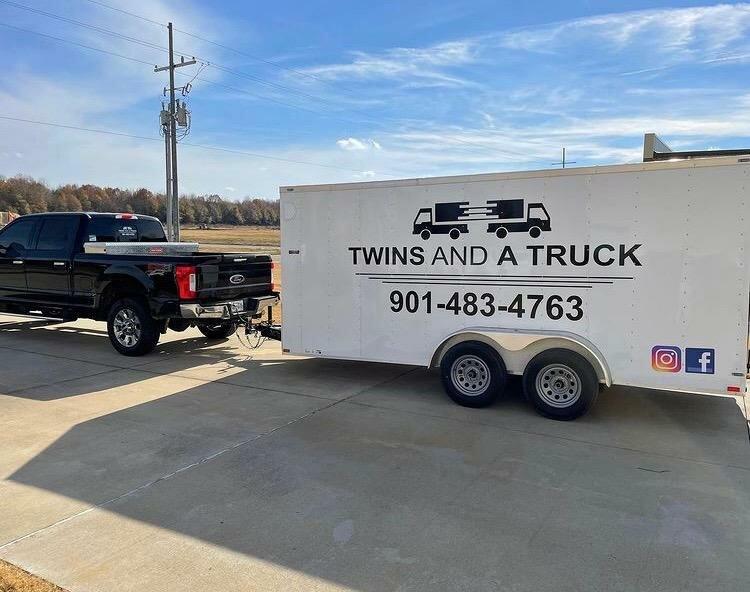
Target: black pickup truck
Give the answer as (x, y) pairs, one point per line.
(45, 269)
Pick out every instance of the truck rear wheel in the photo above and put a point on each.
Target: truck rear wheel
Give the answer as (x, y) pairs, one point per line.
(473, 374)
(561, 384)
(132, 330)
(501, 232)
(455, 233)
(218, 330)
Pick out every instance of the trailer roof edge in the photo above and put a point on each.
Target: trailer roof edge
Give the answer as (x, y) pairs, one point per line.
(680, 163)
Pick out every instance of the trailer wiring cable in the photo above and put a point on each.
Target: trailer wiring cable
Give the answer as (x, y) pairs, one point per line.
(245, 338)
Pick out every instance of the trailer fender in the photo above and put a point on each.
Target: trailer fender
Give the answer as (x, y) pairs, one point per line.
(517, 347)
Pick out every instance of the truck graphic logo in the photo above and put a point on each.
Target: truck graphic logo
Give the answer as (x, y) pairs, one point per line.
(501, 215)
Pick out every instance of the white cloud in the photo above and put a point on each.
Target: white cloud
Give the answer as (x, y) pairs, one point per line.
(230, 189)
(667, 30)
(357, 144)
(427, 65)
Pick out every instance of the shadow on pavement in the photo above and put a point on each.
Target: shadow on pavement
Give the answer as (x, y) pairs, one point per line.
(396, 487)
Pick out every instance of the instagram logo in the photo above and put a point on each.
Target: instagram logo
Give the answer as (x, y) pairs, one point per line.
(666, 358)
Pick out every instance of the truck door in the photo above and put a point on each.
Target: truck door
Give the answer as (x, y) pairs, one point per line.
(15, 240)
(48, 262)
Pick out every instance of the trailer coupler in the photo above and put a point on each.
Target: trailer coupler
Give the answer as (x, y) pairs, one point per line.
(264, 329)
(269, 331)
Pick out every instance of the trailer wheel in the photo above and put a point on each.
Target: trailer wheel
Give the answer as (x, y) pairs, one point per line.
(425, 234)
(454, 233)
(535, 232)
(473, 374)
(561, 384)
(501, 232)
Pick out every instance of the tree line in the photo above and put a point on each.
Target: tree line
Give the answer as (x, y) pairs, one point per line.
(24, 195)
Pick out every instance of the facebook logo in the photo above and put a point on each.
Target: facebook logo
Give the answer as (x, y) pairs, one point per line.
(699, 360)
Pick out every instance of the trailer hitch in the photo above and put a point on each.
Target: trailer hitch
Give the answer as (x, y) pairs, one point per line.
(261, 330)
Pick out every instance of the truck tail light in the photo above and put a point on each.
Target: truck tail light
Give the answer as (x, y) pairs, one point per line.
(273, 286)
(187, 281)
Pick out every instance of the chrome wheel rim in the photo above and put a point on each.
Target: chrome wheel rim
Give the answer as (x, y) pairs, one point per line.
(127, 327)
(470, 375)
(558, 385)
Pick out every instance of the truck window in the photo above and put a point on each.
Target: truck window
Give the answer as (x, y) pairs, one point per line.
(57, 234)
(16, 237)
(118, 230)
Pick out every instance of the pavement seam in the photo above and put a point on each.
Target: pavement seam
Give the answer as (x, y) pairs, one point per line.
(194, 464)
(543, 435)
(109, 370)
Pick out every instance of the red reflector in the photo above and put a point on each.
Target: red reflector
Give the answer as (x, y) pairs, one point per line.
(733, 389)
(186, 278)
(273, 287)
(273, 265)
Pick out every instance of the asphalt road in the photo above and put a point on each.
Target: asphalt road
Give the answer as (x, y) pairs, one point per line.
(208, 466)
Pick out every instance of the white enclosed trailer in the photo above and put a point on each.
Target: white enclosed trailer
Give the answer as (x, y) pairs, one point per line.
(632, 274)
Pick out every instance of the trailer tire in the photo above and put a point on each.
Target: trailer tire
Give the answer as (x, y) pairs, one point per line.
(561, 384)
(131, 328)
(501, 232)
(220, 330)
(535, 232)
(473, 374)
(455, 233)
(425, 234)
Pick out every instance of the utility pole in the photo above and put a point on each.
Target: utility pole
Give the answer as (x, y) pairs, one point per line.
(173, 196)
(164, 121)
(563, 162)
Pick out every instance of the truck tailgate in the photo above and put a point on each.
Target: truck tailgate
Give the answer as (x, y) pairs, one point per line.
(233, 276)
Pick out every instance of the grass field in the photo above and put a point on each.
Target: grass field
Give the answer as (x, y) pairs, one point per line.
(14, 579)
(239, 239)
(249, 239)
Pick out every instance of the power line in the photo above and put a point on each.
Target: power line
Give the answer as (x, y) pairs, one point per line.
(85, 25)
(147, 63)
(472, 144)
(221, 45)
(138, 16)
(152, 139)
(157, 47)
(84, 46)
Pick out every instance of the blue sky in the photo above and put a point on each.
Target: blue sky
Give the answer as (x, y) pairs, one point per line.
(370, 90)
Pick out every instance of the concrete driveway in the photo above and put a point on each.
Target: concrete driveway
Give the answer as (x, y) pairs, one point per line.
(207, 466)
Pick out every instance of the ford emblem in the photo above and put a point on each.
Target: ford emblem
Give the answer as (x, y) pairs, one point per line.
(237, 279)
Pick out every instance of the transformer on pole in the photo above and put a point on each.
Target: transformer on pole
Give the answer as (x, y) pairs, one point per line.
(174, 115)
